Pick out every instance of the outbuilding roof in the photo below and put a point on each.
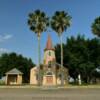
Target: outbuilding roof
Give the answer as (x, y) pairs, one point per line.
(14, 71)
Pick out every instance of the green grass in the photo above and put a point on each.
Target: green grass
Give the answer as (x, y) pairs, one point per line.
(2, 83)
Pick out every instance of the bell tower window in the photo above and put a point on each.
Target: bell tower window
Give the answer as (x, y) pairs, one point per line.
(49, 53)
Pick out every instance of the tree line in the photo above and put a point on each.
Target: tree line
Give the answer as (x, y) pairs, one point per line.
(81, 56)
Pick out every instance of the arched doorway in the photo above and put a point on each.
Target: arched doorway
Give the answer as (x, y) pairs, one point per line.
(49, 78)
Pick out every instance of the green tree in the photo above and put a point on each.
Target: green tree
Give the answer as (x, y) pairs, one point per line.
(60, 22)
(81, 56)
(13, 60)
(38, 22)
(96, 26)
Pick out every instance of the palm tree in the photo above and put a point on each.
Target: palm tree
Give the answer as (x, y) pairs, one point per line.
(59, 23)
(96, 26)
(38, 23)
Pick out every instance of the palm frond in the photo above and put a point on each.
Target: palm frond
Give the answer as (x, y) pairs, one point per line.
(60, 21)
(38, 21)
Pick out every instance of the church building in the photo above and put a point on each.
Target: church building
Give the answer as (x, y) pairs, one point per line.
(51, 70)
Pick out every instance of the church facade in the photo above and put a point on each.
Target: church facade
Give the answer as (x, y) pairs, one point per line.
(50, 71)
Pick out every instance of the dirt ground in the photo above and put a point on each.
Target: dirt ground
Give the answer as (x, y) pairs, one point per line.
(52, 94)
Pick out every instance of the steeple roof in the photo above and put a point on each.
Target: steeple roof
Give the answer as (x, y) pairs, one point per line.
(49, 45)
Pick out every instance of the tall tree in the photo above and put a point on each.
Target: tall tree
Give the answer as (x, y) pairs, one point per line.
(59, 23)
(96, 26)
(38, 22)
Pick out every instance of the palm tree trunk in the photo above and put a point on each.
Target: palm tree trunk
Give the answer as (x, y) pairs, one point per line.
(62, 77)
(39, 60)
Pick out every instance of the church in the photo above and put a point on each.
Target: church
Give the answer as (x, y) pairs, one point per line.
(50, 70)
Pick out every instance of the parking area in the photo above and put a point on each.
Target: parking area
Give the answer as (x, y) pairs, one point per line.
(49, 94)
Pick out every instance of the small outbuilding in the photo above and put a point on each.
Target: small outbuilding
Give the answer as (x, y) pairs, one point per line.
(13, 77)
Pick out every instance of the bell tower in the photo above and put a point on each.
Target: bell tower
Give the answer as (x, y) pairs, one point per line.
(49, 68)
(49, 52)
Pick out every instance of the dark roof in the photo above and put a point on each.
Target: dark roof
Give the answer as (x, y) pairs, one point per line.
(14, 71)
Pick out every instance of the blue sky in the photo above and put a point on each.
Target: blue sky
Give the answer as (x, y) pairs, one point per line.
(15, 35)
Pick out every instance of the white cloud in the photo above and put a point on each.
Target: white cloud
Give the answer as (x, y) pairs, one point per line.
(5, 37)
(2, 50)
(8, 36)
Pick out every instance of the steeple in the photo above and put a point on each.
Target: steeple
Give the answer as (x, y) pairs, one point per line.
(49, 52)
(49, 45)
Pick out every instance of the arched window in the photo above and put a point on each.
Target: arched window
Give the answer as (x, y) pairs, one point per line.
(49, 53)
(49, 73)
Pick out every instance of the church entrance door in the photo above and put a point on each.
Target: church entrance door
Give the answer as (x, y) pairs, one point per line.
(49, 80)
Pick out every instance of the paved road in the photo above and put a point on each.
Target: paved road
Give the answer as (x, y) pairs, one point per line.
(56, 94)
